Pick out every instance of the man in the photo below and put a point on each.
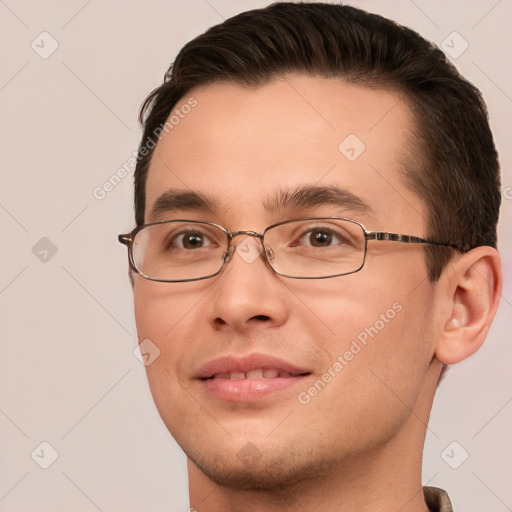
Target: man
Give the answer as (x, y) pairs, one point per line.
(316, 198)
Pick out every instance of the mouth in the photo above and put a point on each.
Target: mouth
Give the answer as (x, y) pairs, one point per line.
(254, 377)
(260, 373)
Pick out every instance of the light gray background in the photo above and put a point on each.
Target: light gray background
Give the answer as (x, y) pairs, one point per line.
(68, 375)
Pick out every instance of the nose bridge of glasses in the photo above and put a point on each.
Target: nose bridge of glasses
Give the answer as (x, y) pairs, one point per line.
(233, 234)
(267, 250)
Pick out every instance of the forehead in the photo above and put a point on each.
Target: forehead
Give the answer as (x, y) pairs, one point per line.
(240, 146)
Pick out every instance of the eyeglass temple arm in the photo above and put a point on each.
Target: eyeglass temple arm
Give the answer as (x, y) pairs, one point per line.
(125, 239)
(408, 239)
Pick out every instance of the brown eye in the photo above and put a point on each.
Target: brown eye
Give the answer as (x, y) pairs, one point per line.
(320, 238)
(191, 240)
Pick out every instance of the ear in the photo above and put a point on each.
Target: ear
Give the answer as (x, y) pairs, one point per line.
(471, 287)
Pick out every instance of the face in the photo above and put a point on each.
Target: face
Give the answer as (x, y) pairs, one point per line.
(344, 359)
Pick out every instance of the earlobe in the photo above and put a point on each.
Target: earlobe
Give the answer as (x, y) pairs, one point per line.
(472, 289)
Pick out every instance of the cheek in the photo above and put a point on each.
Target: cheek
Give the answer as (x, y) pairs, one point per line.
(163, 309)
(165, 315)
(380, 348)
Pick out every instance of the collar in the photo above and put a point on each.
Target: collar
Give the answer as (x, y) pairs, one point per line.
(437, 500)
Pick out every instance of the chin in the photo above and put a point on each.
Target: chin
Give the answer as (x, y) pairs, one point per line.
(269, 471)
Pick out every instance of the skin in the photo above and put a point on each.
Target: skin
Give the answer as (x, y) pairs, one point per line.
(357, 444)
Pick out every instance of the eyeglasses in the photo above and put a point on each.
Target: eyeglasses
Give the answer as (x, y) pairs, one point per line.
(175, 251)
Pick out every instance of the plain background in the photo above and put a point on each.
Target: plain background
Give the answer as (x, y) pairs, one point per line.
(68, 374)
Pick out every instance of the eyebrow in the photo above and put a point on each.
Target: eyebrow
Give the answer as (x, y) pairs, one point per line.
(179, 201)
(304, 197)
(313, 196)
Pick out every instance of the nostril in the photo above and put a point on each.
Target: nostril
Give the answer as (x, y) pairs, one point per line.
(263, 318)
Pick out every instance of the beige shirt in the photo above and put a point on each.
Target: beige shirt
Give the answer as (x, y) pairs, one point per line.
(437, 500)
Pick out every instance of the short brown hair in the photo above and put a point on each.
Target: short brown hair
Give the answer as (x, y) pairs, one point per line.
(453, 164)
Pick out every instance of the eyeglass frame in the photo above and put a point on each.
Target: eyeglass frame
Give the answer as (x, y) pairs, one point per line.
(128, 239)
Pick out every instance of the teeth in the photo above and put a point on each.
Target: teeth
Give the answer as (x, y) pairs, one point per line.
(260, 373)
(255, 374)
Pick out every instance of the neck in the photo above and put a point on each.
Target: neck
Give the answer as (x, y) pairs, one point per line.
(386, 479)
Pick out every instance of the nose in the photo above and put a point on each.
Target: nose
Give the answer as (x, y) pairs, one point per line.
(248, 293)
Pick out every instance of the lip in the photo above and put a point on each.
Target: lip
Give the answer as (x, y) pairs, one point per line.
(228, 364)
(248, 389)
